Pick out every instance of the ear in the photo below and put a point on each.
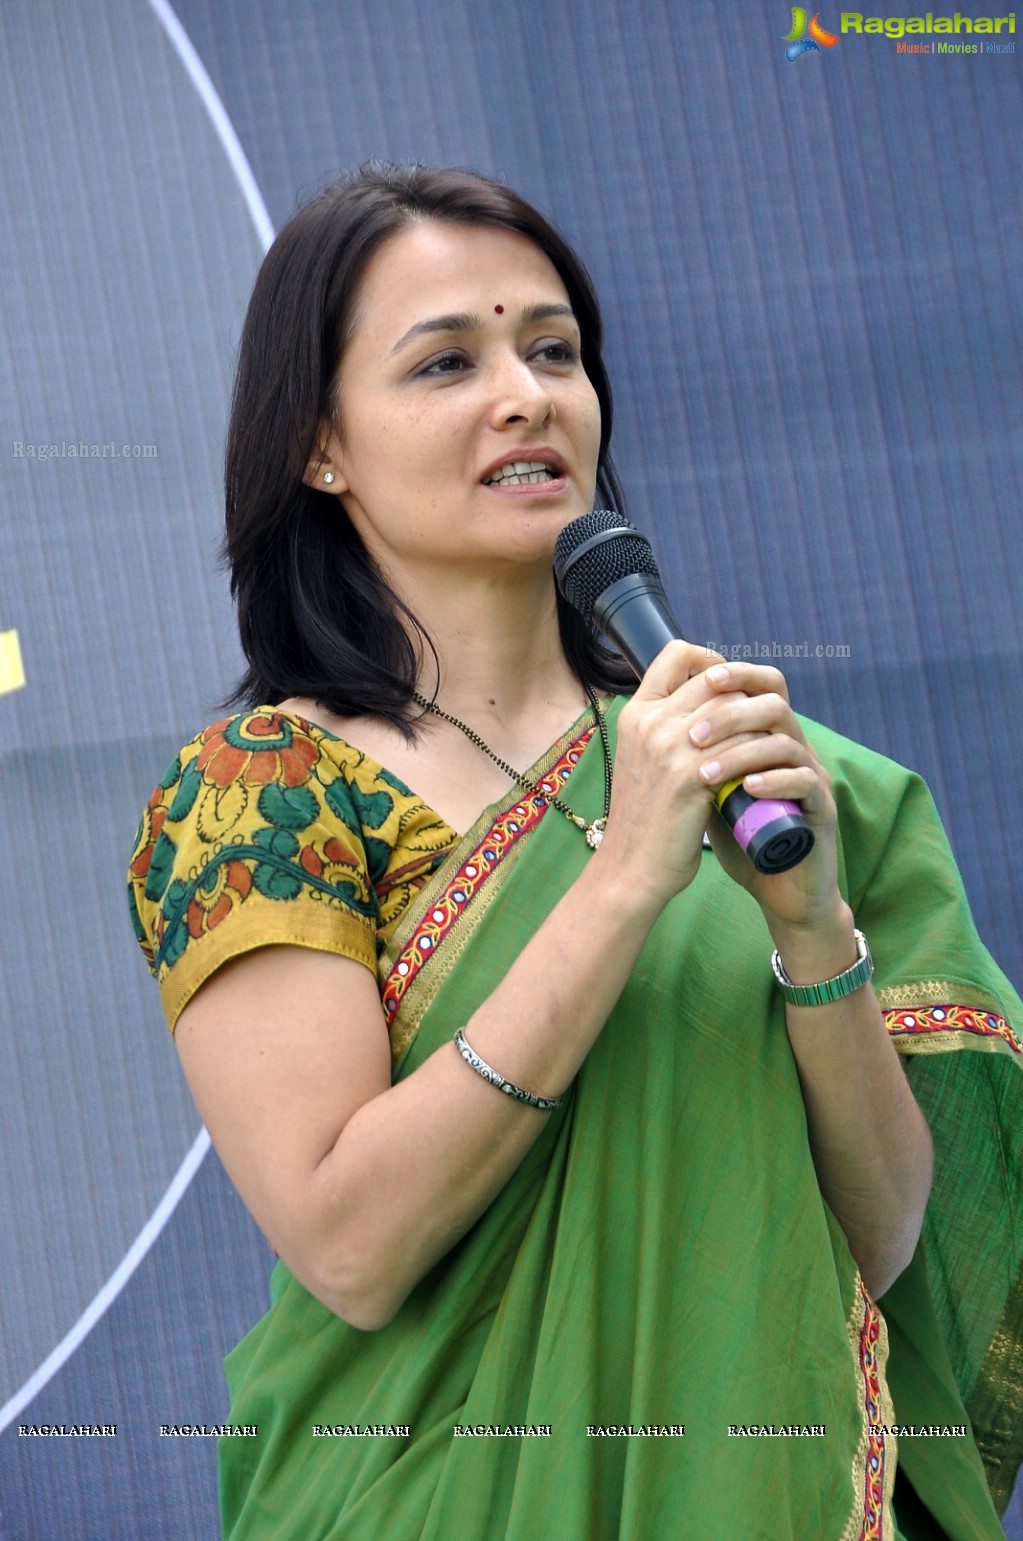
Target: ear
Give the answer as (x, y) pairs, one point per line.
(325, 459)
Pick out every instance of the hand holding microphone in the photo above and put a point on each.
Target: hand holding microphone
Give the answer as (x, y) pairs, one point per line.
(606, 570)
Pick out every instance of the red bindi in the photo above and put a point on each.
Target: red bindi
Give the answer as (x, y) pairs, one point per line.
(499, 309)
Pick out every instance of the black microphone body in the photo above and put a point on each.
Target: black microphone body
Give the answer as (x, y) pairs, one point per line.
(606, 570)
(634, 613)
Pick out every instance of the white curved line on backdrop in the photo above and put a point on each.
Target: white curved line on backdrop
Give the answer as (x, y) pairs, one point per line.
(238, 162)
(114, 1285)
(207, 92)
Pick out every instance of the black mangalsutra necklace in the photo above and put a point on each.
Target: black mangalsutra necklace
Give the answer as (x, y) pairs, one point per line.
(594, 830)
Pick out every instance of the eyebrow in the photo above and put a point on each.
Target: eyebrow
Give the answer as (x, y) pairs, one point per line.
(463, 321)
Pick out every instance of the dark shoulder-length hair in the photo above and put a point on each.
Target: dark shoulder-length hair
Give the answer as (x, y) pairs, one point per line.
(316, 616)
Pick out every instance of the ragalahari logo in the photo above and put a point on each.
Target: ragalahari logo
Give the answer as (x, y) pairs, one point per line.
(798, 44)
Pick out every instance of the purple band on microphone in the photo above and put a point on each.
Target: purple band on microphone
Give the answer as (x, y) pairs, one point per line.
(764, 810)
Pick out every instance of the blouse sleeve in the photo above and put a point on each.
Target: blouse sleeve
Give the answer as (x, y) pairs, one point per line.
(251, 838)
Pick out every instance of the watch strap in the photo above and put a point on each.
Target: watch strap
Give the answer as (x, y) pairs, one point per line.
(827, 990)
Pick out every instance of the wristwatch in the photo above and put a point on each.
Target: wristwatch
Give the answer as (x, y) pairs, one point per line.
(829, 989)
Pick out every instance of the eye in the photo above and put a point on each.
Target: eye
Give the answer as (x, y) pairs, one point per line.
(556, 351)
(449, 363)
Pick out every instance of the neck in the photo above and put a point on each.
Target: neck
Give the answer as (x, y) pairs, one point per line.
(499, 648)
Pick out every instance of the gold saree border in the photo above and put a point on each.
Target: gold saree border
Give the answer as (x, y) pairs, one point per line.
(441, 919)
(874, 1462)
(935, 992)
(996, 1401)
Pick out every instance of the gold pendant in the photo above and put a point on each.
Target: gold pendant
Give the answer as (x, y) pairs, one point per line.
(595, 833)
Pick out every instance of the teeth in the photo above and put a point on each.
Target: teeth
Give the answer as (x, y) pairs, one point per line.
(518, 472)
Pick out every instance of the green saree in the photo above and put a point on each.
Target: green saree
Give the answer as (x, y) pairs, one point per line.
(657, 1329)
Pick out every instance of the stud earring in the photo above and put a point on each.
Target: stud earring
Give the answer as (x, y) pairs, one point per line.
(328, 477)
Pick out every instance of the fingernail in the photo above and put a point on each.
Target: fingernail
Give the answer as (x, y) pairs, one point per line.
(711, 771)
(754, 781)
(719, 674)
(700, 733)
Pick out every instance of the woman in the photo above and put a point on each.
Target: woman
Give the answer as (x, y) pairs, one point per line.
(636, 1296)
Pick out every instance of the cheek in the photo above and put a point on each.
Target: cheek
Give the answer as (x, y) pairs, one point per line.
(396, 462)
(588, 405)
(590, 415)
(596, 427)
(376, 444)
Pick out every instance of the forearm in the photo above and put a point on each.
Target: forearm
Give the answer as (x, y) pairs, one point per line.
(870, 1142)
(414, 1167)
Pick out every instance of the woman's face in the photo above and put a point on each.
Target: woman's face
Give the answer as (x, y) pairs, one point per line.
(463, 364)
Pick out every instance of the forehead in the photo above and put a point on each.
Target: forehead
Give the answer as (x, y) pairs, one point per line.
(435, 268)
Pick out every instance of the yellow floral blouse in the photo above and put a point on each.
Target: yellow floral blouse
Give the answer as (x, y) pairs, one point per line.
(268, 829)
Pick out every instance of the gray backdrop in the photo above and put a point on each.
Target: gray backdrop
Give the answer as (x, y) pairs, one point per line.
(812, 286)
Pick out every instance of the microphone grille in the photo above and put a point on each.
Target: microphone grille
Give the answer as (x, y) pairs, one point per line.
(595, 551)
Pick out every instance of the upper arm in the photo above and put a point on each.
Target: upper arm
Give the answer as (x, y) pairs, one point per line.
(280, 1047)
(252, 896)
(269, 860)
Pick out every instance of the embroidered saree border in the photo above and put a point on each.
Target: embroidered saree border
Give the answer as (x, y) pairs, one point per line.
(450, 906)
(874, 1461)
(949, 1025)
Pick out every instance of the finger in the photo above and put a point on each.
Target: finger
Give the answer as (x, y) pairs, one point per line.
(736, 714)
(750, 678)
(676, 663)
(771, 766)
(750, 754)
(797, 784)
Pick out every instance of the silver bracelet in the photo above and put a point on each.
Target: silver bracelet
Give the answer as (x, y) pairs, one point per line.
(497, 1079)
(829, 989)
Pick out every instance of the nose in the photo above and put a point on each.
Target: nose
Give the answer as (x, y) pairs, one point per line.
(518, 395)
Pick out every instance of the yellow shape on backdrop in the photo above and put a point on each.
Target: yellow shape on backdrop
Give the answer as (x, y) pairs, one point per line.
(12, 670)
